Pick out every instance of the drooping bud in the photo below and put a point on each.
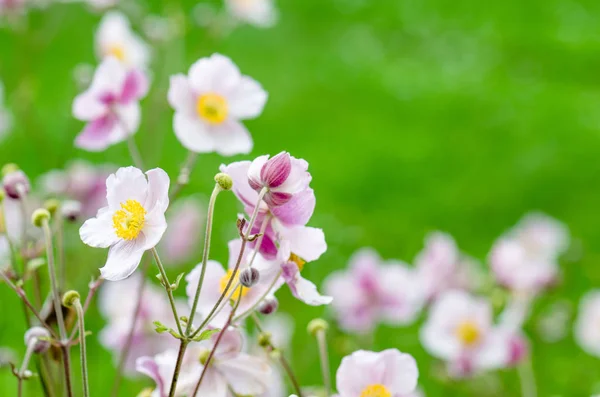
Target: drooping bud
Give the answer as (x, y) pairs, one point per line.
(39, 336)
(39, 216)
(249, 277)
(69, 298)
(52, 205)
(224, 181)
(317, 325)
(71, 210)
(16, 184)
(268, 306)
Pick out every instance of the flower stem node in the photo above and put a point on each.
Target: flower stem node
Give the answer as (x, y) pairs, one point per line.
(268, 306)
(249, 277)
(264, 339)
(16, 184)
(317, 325)
(69, 298)
(224, 181)
(40, 337)
(39, 216)
(52, 205)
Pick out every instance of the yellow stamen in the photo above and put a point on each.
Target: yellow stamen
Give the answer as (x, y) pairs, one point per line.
(468, 333)
(298, 261)
(116, 50)
(129, 220)
(236, 277)
(212, 108)
(376, 390)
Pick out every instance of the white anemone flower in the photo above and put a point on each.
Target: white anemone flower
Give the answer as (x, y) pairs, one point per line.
(115, 38)
(586, 330)
(133, 222)
(260, 13)
(210, 102)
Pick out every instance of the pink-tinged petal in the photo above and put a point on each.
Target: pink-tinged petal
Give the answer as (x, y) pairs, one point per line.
(301, 288)
(211, 287)
(213, 384)
(275, 199)
(88, 107)
(180, 96)
(96, 134)
(401, 372)
(400, 297)
(158, 190)
(109, 78)
(127, 183)
(129, 116)
(135, 87)
(245, 374)
(99, 232)
(247, 99)
(123, 258)
(254, 172)
(276, 170)
(148, 366)
(298, 210)
(231, 138)
(234, 247)
(306, 242)
(216, 74)
(268, 248)
(238, 172)
(357, 371)
(155, 226)
(230, 346)
(193, 134)
(298, 179)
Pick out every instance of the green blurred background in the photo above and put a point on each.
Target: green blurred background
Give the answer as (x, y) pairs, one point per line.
(414, 115)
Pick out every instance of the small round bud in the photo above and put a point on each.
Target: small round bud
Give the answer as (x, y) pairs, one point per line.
(38, 336)
(275, 354)
(316, 325)
(16, 184)
(203, 356)
(249, 277)
(69, 298)
(39, 215)
(9, 168)
(268, 306)
(52, 205)
(224, 181)
(264, 339)
(71, 210)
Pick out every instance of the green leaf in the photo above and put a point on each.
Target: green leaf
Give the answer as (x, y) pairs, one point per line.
(207, 333)
(160, 327)
(34, 264)
(175, 285)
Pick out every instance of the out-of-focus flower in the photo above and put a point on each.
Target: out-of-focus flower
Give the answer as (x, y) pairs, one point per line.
(80, 181)
(11, 6)
(180, 241)
(230, 368)
(160, 29)
(586, 331)
(283, 175)
(387, 373)
(373, 291)
(133, 222)
(5, 115)
(117, 303)
(115, 38)
(216, 279)
(210, 102)
(261, 13)
(526, 258)
(16, 184)
(460, 330)
(554, 323)
(110, 106)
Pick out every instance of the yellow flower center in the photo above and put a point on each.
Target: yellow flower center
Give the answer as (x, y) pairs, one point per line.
(129, 220)
(298, 261)
(376, 390)
(116, 50)
(212, 108)
(236, 278)
(468, 333)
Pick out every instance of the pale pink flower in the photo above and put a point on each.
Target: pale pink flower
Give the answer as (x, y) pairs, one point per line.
(180, 242)
(117, 303)
(526, 258)
(133, 222)
(229, 368)
(372, 291)
(460, 331)
(209, 104)
(386, 373)
(586, 330)
(110, 106)
(114, 38)
(260, 13)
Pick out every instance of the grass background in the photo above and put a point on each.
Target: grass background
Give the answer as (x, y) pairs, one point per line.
(414, 116)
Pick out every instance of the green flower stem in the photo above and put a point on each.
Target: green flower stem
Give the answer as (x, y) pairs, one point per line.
(167, 286)
(82, 347)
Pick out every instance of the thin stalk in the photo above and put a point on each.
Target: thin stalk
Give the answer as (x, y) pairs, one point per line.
(60, 252)
(24, 217)
(324, 358)
(93, 288)
(25, 364)
(255, 305)
(527, 378)
(82, 347)
(259, 240)
(167, 286)
(180, 354)
(184, 174)
(134, 152)
(67, 370)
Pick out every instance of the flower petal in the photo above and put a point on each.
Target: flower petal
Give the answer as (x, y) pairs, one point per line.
(96, 136)
(306, 242)
(135, 86)
(298, 210)
(127, 183)
(180, 96)
(123, 258)
(245, 374)
(216, 74)
(158, 190)
(231, 138)
(247, 99)
(193, 134)
(401, 372)
(99, 232)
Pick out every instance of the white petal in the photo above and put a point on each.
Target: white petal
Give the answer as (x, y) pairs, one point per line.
(245, 374)
(193, 134)
(87, 107)
(247, 100)
(181, 96)
(123, 258)
(306, 242)
(129, 117)
(99, 232)
(155, 226)
(216, 74)
(307, 292)
(158, 190)
(401, 372)
(213, 385)
(231, 138)
(109, 77)
(127, 183)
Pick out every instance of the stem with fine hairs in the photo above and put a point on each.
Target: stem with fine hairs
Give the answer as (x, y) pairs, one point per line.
(82, 347)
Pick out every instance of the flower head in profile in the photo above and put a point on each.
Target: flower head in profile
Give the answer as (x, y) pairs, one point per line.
(373, 291)
(260, 13)
(110, 106)
(389, 373)
(586, 331)
(133, 222)
(210, 103)
(114, 38)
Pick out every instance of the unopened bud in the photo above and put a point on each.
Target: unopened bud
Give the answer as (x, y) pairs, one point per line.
(203, 356)
(16, 184)
(268, 306)
(316, 325)
(69, 298)
(147, 392)
(52, 205)
(275, 354)
(9, 168)
(39, 215)
(264, 339)
(39, 336)
(249, 277)
(224, 181)
(71, 210)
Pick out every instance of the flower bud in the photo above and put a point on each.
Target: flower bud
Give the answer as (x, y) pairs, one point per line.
(69, 298)
(52, 205)
(203, 356)
(264, 339)
(71, 210)
(249, 277)
(268, 306)
(16, 183)
(9, 168)
(224, 181)
(39, 215)
(316, 325)
(38, 336)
